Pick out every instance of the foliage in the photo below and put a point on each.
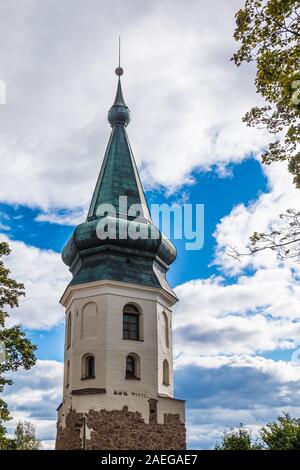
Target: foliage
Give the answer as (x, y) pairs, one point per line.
(25, 438)
(285, 241)
(237, 439)
(19, 351)
(269, 34)
(283, 434)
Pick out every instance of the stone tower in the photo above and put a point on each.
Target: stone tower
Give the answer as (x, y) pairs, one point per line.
(118, 371)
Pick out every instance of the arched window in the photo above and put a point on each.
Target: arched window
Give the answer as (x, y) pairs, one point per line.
(88, 367)
(131, 322)
(68, 374)
(69, 330)
(130, 372)
(166, 329)
(132, 366)
(166, 373)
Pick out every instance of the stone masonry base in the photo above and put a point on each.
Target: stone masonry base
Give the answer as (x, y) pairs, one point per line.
(120, 430)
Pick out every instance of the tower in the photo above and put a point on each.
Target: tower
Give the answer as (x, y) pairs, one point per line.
(118, 372)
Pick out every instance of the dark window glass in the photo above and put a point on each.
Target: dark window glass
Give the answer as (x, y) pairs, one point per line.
(69, 331)
(90, 367)
(130, 372)
(130, 326)
(166, 373)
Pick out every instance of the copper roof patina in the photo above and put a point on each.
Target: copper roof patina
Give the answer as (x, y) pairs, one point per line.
(140, 260)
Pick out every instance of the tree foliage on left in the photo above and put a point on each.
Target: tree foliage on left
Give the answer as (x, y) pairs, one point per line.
(17, 349)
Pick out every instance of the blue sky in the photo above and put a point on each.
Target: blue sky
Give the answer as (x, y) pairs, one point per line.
(219, 195)
(236, 325)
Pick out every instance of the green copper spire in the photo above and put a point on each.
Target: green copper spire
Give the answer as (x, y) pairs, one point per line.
(141, 261)
(119, 175)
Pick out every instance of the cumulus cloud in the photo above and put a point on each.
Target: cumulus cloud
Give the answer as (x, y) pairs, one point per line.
(179, 81)
(228, 391)
(45, 278)
(34, 396)
(225, 392)
(62, 217)
(224, 325)
(257, 313)
(262, 215)
(187, 101)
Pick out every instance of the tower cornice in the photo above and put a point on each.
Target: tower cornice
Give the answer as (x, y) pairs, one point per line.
(91, 287)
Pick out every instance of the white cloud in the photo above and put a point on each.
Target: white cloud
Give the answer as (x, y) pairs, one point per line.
(34, 396)
(187, 98)
(4, 227)
(45, 277)
(257, 313)
(4, 219)
(187, 101)
(228, 391)
(223, 326)
(62, 217)
(262, 214)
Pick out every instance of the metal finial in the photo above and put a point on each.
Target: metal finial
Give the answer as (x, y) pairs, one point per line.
(119, 71)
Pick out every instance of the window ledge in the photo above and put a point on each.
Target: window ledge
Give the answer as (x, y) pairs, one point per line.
(132, 378)
(88, 378)
(132, 339)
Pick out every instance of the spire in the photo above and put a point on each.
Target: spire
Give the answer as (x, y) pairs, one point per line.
(143, 261)
(119, 174)
(119, 99)
(119, 113)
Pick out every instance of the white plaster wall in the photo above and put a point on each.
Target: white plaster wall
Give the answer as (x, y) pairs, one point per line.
(110, 349)
(108, 402)
(164, 351)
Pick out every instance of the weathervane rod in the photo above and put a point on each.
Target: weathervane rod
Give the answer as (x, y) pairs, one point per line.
(119, 71)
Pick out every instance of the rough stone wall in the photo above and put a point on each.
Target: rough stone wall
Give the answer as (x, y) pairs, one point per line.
(68, 438)
(121, 430)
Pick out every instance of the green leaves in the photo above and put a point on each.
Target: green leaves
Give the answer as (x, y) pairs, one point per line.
(19, 351)
(283, 434)
(25, 438)
(239, 439)
(269, 34)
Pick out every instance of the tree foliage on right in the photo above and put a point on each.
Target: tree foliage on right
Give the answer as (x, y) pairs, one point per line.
(268, 33)
(282, 434)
